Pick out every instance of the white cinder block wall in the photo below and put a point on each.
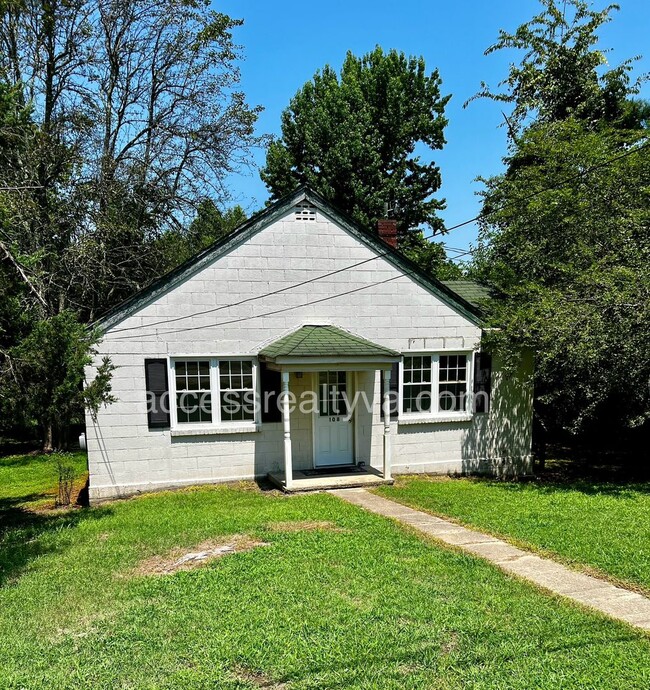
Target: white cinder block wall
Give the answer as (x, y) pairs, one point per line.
(125, 456)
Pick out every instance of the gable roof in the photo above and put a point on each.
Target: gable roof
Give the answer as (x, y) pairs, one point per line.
(265, 218)
(313, 341)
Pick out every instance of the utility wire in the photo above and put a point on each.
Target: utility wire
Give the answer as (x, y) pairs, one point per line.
(561, 183)
(252, 299)
(258, 297)
(270, 313)
(369, 285)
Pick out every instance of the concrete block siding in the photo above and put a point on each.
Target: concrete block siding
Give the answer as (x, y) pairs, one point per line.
(125, 456)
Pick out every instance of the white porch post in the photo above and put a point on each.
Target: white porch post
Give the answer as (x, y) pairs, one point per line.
(288, 467)
(387, 439)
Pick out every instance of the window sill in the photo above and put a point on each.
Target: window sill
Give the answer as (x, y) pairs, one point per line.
(437, 419)
(217, 430)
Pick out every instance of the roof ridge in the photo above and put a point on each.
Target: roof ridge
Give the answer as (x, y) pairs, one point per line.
(328, 340)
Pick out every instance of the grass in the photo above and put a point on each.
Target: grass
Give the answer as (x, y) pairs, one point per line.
(337, 598)
(599, 525)
(31, 480)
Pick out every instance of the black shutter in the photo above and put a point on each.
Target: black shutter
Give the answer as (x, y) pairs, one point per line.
(158, 403)
(271, 384)
(482, 381)
(394, 391)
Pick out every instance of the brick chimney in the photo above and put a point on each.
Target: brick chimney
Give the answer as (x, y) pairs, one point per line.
(387, 229)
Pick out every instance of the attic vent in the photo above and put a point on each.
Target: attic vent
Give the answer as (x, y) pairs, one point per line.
(305, 212)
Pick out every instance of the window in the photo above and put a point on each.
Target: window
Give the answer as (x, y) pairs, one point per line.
(211, 392)
(236, 391)
(434, 385)
(418, 391)
(332, 392)
(452, 382)
(193, 392)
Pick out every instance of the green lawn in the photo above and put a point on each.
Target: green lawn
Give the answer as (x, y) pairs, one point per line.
(32, 479)
(601, 525)
(358, 603)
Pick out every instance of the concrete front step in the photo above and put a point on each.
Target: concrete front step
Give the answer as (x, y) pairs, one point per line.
(302, 482)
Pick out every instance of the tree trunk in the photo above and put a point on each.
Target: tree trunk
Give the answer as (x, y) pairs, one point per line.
(48, 438)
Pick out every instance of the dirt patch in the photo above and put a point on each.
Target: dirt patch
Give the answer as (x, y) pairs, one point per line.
(257, 679)
(303, 526)
(450, 644)
(46, 503)
(197, 556)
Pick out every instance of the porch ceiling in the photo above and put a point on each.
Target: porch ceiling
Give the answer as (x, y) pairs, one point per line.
(326, 345)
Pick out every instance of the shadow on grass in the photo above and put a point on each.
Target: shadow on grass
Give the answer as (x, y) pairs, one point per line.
(28, 534)
(22, 460)
(577, 474)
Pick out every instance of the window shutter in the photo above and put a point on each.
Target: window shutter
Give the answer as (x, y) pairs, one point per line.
(482, 381)
(271, 386)
(158, 403)
(394, 391)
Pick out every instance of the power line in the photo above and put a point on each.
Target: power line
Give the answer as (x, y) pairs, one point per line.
(258, 297)
(270, 313)
(462, 253)
(369, 285)
(251, 299)
(561, 183)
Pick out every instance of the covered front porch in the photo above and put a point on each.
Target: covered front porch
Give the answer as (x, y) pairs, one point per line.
(328, 362)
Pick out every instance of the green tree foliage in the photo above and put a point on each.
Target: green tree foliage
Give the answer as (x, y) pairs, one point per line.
(212, 224)
(565, 237)
(574, 263)
(117, 118)
(138, 116)
(562, 73)
(357, 138)
(45, 373)
(432, 257)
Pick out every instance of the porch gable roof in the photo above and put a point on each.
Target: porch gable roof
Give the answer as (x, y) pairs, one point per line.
(325, 341)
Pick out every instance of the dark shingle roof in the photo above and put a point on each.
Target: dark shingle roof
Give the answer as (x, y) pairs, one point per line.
(310, 341)
(474, 293)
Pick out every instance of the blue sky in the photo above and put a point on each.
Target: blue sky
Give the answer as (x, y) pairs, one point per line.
(285, 42)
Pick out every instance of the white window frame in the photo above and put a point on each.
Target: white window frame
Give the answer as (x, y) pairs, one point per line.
(217, 426)
(436, 414)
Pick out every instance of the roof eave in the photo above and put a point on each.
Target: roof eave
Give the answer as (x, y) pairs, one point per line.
(331, 362)
(196, 263)
(448, 296)
(261, 220)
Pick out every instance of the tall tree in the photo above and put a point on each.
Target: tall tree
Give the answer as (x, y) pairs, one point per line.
(562, 73)
(572, 260)
(117, 118)
(140, 119)
(565, 232)
(357, 139)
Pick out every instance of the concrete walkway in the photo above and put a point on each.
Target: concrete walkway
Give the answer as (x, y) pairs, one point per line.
(613, 601)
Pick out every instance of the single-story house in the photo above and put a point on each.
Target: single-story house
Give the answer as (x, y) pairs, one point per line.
(308, 349)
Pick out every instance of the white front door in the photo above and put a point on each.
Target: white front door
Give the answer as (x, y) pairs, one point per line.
(333, 429)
